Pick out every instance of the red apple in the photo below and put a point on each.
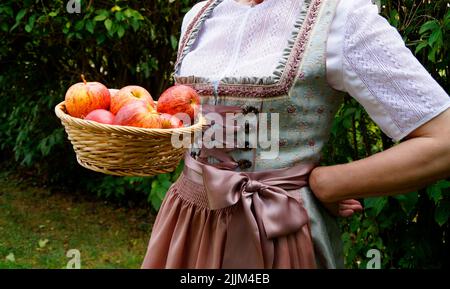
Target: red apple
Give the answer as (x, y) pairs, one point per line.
(170, 121)
(101, 116)
(139, 114)
(179, 99)
(84, 97)
(113, 92)
(130, 94)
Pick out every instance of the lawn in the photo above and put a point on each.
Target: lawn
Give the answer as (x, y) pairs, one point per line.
(38, 226)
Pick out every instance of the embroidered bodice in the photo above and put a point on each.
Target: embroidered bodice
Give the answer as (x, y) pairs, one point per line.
(297, 58)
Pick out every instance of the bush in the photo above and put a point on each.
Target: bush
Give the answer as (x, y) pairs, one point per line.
(44, 49)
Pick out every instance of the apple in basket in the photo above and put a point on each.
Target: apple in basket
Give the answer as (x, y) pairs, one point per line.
(84, 97)
(170, 121)
(129, 94)
(179, 99)
(113, 92)
(138, 113)
(101, 116)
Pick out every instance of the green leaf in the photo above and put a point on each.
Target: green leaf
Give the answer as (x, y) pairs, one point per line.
(160, 186)
(435, 191)
(135, 24)
(442, 213)
(100, 17)
(21, 14)
(376, 204)
(432, 54)
(8, 11)
(119, 16)
(90, 25)
(136, 15)
(128, 13)
(79, 25)
(31, 22)
(429, 25)
(435, 38)
(408, 201)
(101, 38)
(347, 122)
(447, 20)
(394, 18)
(113, 29)
(421, 46)
(120, 31)
(349, 112)
(173, 42)
(108, 24)
(19, 17)
(4, 26)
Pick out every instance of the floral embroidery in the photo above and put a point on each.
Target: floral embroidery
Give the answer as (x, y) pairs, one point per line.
(321, 110)
(291, 109)
(283, 142)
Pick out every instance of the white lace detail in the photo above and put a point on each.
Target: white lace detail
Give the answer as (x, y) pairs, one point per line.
(375, 51)
(264, 37)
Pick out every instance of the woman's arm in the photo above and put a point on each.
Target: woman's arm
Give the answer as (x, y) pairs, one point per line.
(420, 160)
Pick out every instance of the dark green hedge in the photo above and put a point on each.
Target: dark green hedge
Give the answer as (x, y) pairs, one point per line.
(44, 49)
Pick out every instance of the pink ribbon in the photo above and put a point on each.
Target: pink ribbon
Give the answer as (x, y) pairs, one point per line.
(265, 209)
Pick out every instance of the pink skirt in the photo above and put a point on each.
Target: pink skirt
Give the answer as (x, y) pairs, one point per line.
(188, 234)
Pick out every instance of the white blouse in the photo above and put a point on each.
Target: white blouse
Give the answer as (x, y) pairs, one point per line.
(366, 57)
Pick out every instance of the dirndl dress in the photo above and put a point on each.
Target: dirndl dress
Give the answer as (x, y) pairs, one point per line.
(261, 215)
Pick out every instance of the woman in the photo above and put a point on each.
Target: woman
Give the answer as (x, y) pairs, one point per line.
(237, 209)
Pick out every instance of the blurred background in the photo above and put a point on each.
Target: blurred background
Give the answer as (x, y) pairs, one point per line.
(49, 204)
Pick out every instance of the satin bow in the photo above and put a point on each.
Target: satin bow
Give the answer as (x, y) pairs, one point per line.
(265, 210)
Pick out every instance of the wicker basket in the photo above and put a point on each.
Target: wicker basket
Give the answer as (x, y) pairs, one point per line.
(124, 150)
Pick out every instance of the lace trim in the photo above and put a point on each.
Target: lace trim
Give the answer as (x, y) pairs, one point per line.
(271, 86)
(193, 29)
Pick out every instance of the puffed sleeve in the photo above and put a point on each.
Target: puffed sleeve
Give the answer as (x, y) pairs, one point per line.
(368, 59)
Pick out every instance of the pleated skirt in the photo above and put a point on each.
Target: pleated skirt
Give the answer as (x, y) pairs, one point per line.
(188, 235)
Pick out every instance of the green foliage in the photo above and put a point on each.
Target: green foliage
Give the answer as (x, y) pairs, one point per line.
(44, 49)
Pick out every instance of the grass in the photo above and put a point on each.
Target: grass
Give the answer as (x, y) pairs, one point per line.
(39, 226)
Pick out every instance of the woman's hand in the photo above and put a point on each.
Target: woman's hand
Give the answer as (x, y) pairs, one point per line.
(344, 208)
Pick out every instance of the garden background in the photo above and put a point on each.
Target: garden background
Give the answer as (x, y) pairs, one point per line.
(49, 204)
